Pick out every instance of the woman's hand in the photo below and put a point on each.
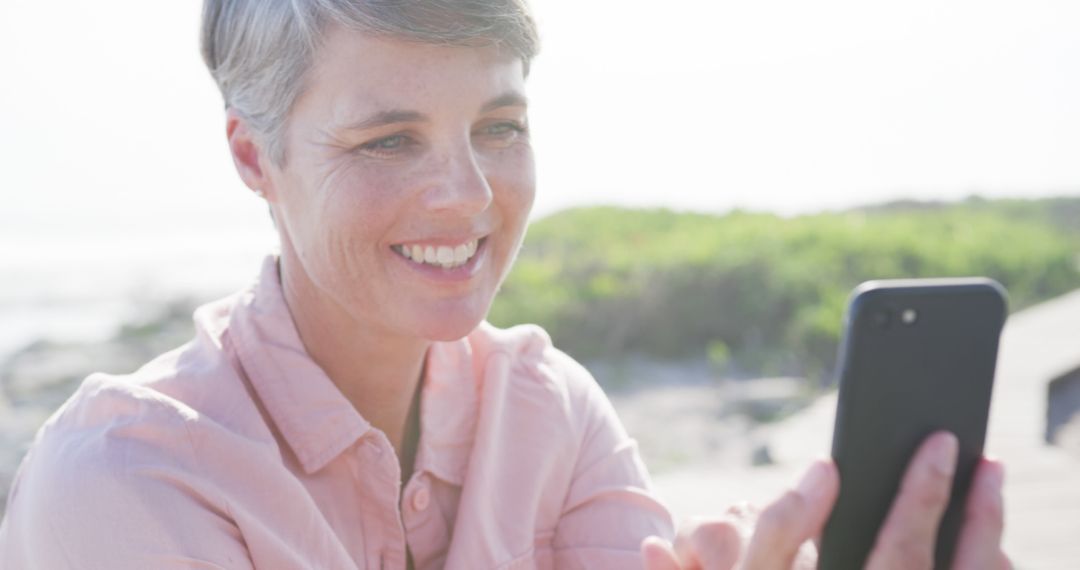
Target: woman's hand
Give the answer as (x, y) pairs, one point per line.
(779, 537)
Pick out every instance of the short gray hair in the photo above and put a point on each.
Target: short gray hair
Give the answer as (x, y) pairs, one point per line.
(258, 50)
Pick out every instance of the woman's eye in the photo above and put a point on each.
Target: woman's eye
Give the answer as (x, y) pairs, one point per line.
(385, 145)
(505, 129)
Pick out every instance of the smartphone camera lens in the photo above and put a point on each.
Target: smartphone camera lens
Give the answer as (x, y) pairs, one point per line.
(909, 316)
(882, 318)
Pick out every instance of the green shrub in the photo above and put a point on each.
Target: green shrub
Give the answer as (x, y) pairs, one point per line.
(607, 282)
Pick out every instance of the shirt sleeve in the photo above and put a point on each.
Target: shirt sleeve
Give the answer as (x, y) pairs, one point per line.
(124, 495)
(610, 507)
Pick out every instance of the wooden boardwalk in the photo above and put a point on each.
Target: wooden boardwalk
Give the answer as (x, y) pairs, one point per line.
(1042, 490)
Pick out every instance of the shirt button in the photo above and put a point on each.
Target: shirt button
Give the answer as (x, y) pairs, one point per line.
(421, 499)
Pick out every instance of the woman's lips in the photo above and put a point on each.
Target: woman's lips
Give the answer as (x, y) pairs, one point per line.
(444, 262)
(445, 256)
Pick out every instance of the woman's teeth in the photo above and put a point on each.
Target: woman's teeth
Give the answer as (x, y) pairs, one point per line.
(440, 255)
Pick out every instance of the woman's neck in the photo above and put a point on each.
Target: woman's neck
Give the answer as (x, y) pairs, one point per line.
(378, 372)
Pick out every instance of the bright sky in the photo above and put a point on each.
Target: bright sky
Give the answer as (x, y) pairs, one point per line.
(791, 105)
(107, 117)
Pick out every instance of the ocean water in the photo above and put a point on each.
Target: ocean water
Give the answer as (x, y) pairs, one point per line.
(81, 289)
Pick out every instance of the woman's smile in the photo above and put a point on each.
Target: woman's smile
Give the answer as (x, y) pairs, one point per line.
(444, 261)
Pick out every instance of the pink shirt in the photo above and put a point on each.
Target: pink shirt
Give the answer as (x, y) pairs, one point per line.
(237, 451)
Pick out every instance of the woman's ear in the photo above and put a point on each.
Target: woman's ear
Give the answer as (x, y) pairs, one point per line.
(248, 154)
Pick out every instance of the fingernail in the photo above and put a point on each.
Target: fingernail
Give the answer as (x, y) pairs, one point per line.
(812, 484)
(995, 476)
(655, 540)
(943, 456)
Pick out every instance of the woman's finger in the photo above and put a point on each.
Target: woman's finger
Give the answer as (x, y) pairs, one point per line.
(909, 534)
(794, 518)
(658, 554)
(979, 545)
(707, 544)
(714, 545)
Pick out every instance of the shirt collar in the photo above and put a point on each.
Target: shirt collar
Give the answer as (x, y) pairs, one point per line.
(449, 405)
(315, 418)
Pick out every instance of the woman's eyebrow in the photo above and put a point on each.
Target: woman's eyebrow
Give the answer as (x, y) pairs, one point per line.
(508, 99)
(383, 118)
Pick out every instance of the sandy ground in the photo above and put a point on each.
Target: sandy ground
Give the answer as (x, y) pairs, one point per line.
(704, 457)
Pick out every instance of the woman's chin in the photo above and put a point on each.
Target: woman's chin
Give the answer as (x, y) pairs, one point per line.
(449, 326)
(450, 332)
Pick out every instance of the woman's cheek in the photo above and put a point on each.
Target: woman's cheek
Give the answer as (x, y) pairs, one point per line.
(360, 199)
(336, 229)
(526, 177)
(512, 176)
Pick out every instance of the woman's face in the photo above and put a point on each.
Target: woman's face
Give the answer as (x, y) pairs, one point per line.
(407, 182)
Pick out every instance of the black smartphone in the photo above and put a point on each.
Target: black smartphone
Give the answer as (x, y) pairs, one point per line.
(917, 356)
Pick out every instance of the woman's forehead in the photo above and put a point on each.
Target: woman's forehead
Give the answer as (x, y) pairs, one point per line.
(358, 72)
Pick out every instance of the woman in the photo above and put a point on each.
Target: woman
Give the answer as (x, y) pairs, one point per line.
(352, 409)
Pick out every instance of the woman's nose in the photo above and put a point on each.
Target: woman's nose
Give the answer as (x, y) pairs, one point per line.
(459, 185)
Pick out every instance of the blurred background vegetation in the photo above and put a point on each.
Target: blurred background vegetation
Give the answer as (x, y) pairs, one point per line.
(763, 295)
